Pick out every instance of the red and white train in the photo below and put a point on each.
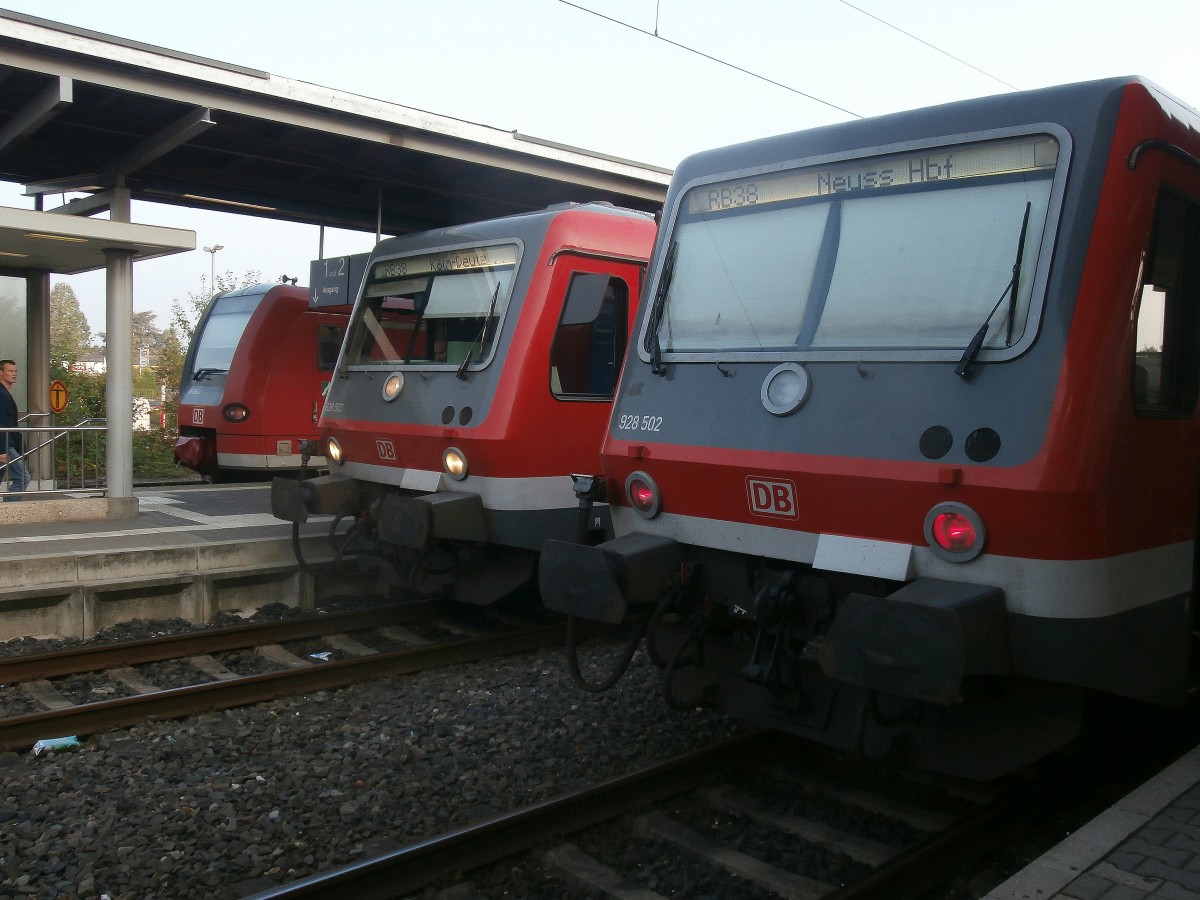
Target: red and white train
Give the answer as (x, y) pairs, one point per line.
(253, 381)
(477, 375)
(907, 448)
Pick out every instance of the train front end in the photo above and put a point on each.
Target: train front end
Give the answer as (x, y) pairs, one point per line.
(878, 456)
(477, 375)
(252, 383)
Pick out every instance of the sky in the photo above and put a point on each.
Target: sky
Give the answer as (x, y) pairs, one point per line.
(592, 74)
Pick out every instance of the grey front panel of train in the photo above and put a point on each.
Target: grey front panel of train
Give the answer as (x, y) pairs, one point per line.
(862, 403)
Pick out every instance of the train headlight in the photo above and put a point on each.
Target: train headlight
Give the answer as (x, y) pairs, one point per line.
(785, 389)
(333, 451)
(955, 532)
(642, 492)
(235, 412)
(393, 386)
(454, 461)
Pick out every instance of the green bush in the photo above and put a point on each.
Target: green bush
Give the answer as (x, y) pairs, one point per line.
(152, 450)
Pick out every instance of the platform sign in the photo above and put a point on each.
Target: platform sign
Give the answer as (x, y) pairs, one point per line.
(335, 281)
(58, 396)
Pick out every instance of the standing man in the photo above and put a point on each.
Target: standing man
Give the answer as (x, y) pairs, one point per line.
(10, 441)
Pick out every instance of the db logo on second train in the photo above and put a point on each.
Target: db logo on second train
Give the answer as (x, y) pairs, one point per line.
(772, 497)
(385, 449)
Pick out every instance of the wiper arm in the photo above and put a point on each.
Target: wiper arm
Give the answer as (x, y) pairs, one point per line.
(483, 332)
(481, 340)
(659, 308)
(203, 374)
(461, 374)
(1010, 291)
(1016, 277)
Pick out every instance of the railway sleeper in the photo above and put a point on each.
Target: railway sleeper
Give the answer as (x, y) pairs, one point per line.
(572, 863)
(769, 877)
(731, 800)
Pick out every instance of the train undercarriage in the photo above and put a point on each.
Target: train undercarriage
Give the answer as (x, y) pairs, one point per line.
(921, 672)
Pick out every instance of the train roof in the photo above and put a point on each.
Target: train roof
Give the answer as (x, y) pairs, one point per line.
(1084, 109)
(526, 226)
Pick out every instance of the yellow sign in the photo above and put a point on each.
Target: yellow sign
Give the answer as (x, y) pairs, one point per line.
(58, 396)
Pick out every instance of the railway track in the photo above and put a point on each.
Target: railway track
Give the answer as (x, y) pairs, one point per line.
(217, 687)
(697, 824)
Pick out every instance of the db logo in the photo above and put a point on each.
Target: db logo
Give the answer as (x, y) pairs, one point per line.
(385, 449)
(197, 415)
(772, 497)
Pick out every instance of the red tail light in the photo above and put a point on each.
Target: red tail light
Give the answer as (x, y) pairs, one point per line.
(955, 532)
(642, 493)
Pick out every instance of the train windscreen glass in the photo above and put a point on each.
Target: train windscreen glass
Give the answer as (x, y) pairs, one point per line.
(433, 309)
(222, 330)
(888, 254)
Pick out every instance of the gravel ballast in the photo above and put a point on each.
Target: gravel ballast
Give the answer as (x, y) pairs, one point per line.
(232, 802)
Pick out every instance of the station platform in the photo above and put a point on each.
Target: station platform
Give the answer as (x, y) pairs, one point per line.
(169, 515)
(1145, 845)
(173, 515)
(188, 551)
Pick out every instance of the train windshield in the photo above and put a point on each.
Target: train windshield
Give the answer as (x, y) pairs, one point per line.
(222, 330)
(902, 255)
(433, 309)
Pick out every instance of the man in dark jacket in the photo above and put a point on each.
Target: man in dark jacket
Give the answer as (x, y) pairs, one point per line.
(10, 441)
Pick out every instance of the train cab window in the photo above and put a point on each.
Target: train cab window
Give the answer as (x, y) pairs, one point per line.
(226, 320)
(329, 342)
(1167, 352)
(589, 342)
(433, 309)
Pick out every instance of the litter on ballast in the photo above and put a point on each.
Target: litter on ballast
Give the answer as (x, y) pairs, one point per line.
(60, 743)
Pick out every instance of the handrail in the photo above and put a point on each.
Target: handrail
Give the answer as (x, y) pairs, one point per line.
(75, 466)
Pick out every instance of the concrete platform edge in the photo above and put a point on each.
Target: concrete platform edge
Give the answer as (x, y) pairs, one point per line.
(1087, 847)
(82, 509)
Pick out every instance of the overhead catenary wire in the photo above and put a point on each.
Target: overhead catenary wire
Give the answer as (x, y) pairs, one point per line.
(927, 44)
(813, 97)
(657, 36)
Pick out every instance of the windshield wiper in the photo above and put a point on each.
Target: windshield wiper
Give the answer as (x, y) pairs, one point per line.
(484, 337)
(203, 374)
(1010, 291)
(462, 369)
(659, 307)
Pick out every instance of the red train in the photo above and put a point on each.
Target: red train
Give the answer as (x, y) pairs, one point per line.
(477, 375)
(253, 381)
(906, 450)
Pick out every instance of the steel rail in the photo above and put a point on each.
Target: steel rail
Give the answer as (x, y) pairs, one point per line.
(93, 657)
(22, 731)
(410, 868)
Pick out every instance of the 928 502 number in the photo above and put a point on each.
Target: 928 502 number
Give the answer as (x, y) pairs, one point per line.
(634, 422)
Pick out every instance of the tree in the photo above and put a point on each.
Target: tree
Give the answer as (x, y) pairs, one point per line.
(70, 333)
(185, 314)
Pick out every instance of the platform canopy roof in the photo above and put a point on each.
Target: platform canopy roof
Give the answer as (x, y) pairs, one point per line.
(87, 112)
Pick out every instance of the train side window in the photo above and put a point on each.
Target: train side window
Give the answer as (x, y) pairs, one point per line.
(589, 342)
(1167, 361)
(329, 342)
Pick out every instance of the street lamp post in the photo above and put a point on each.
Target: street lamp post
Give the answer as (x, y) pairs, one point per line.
(212, 272)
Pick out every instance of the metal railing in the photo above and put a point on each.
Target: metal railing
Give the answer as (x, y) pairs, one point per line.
(62, 460)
